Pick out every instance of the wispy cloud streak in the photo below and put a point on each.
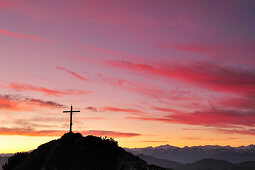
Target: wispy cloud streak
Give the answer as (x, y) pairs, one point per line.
(212, 118)
(23, 36)
(124, 110)
(72, 73)
(46, 91)
(18, 103)
(146, 90)
(213, 77)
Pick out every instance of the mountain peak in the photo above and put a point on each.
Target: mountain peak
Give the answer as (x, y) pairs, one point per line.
(73, 151)
(71, 136)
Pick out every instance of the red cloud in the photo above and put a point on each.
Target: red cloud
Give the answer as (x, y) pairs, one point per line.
(30, 132)
(111, 133)
(57, 93)
(7, 103)
(162, 109)
(16, 103)
(241, 103)
(23, 36)
(53, 133)
(214, 118)
(44, 103)
(94, 109)
(3, 5)
(72, 73)
(209, 76)
(115, 109)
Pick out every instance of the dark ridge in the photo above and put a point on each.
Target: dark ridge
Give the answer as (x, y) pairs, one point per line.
(207, 164)
(75, 152)
(160, 162)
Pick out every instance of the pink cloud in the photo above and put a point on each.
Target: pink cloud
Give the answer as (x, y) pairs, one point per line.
(140, 88)
(46, 91)
(30, 132)
(162, 109)
(240, 103)
(125, 110)
(8, 103)
(3, 5)
(146, 90)
(43, 103)
(73, 73)
(213, 118)
(111, 133)
(16, 103)
(216, 78)
(93, 109)
(116, 109)
(23, 36)
(54, 133)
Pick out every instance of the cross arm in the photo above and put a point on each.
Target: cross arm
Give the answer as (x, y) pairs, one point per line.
(70, 111)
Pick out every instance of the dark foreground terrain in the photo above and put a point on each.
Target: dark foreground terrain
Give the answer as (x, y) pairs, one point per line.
(75, 152)
(3, 160)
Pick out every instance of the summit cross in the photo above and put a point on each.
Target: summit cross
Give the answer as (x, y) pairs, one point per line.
(71, 116)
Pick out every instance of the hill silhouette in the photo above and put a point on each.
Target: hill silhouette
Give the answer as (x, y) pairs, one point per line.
(207, 164)
(160, 162)
(213, 164)
(75, 152)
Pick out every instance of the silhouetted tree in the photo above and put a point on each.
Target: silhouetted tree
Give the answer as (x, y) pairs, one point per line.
(14, 160)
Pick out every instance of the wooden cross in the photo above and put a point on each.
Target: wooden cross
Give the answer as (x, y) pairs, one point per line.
(71, 116)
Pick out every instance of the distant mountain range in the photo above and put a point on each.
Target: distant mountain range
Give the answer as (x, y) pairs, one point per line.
(197, 153)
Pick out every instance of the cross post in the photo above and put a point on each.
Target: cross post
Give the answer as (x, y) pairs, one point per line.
(71, 116)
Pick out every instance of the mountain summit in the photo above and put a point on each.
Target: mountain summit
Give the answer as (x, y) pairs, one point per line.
(75, 152)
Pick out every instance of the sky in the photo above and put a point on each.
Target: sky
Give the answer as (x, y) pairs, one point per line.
(147, 72)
